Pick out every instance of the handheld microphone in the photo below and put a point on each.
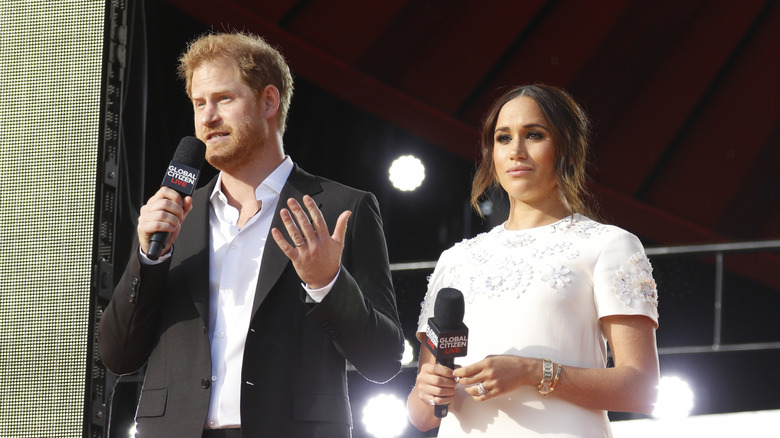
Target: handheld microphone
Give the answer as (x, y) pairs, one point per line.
(447, 336)
(182, 176)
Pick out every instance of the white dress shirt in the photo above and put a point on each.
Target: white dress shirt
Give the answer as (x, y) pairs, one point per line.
(233, 271)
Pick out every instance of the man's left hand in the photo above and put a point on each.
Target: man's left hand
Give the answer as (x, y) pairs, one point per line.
(315, 254)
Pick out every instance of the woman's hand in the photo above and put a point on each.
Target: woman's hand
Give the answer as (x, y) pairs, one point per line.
(628, 386)
(435, 385)
(497, 375)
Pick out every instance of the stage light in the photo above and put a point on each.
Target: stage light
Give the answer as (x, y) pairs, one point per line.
(675, 399)
(487, 207)
(408, 356)
(384, 416)
(407, 173)
(131, 433)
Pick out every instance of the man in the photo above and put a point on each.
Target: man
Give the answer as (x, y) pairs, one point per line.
(243, 335)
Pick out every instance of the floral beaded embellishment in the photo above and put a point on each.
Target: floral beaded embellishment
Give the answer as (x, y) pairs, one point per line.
(551, 250)
(587, 230)
(512, 276)
(556, 276)
(635, 281)
(517, 241)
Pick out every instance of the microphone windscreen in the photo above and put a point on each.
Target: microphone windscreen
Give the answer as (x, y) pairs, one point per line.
(448, 309)
(190, 152)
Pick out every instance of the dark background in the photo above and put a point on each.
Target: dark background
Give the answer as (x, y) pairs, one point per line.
(686, 108)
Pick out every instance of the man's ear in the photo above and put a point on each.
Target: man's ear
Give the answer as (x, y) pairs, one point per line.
(270, 99)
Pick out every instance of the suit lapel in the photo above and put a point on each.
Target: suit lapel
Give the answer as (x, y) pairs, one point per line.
(194, 251)
(274, 260)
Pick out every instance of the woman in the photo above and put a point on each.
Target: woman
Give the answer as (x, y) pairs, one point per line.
(545, 292)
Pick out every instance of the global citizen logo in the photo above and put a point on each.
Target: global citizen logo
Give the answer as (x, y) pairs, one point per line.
(451, 342)
(433, 338)
(181, 178)
(446, 343)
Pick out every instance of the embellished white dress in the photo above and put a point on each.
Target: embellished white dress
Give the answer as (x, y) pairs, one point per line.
(540, 293)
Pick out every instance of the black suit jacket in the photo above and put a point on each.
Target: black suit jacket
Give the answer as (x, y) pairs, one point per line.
(294, 369)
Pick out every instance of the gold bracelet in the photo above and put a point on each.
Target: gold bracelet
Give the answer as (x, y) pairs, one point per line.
(557, 376)
(544, 385)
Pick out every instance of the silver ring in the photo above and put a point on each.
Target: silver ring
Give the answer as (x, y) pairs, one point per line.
(480, 388)
(431, 402)
(299, 244)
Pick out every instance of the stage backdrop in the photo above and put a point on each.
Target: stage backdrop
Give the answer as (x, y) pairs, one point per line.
(51, 63)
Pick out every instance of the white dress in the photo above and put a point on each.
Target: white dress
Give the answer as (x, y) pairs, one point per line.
(540, 293)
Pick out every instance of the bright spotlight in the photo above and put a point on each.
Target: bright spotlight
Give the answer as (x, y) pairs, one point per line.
(675, 399)
(131, 433)
(408, 356)
(385, 416)
(407, 173)
(487, 207)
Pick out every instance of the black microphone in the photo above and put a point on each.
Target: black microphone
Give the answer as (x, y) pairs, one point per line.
(182, 176)
(447, 336)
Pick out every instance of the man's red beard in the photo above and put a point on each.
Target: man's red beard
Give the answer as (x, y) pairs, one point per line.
(241, 144)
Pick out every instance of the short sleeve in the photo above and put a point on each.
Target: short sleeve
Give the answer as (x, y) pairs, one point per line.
(623, 281)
